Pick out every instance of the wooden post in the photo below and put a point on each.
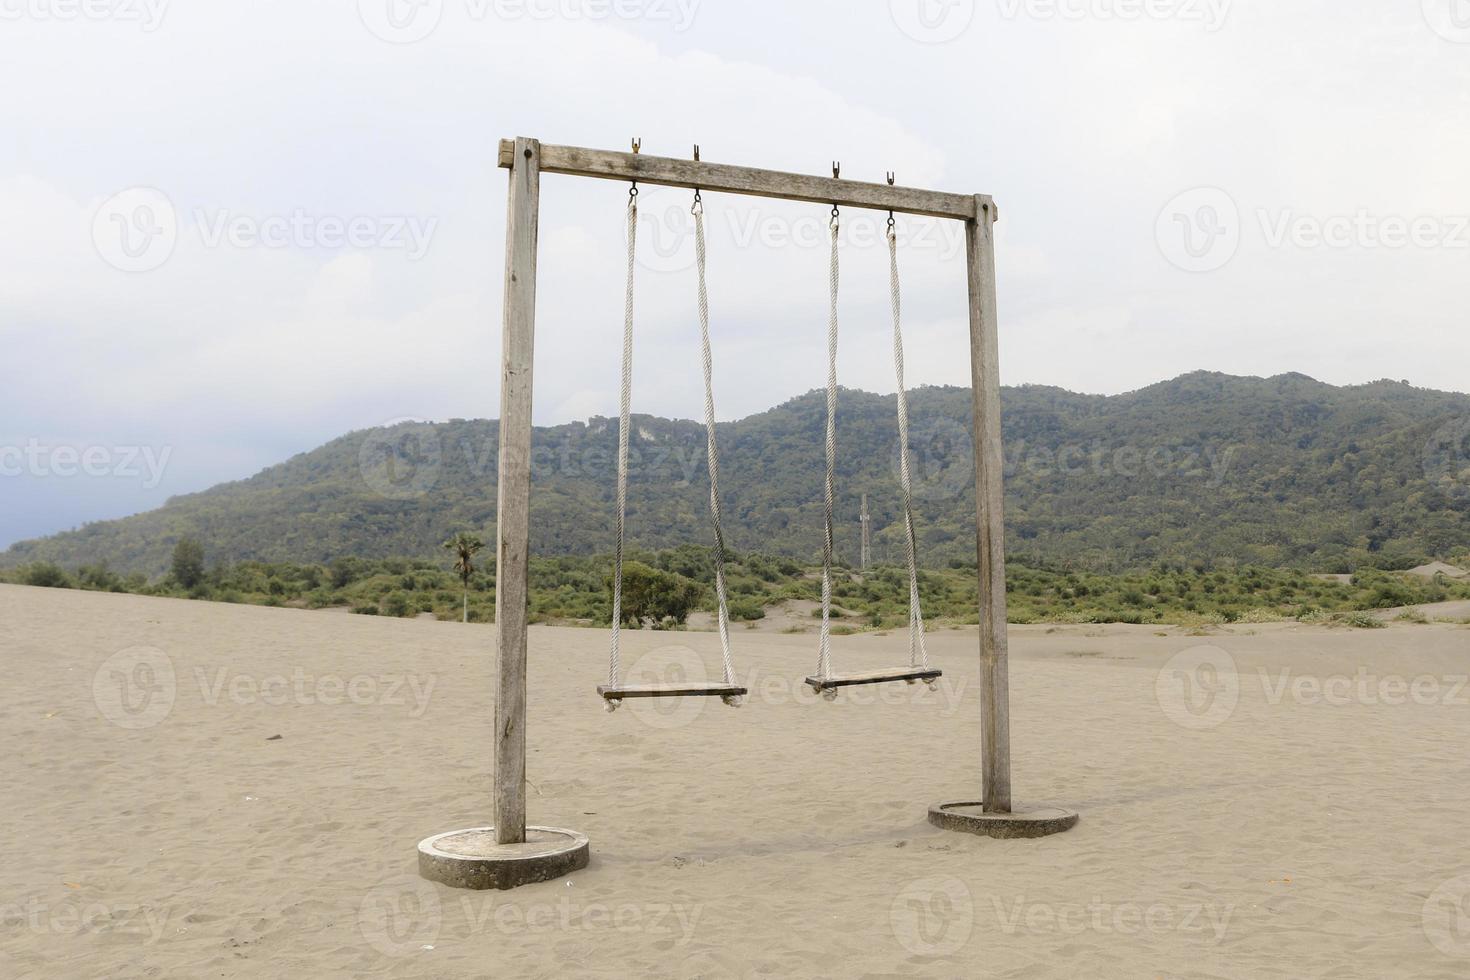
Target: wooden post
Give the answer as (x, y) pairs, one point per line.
(989, 509)
(513, 530)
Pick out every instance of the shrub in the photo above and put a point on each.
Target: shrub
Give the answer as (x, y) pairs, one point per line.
(746, 610)
(46, 575)
(188, 563)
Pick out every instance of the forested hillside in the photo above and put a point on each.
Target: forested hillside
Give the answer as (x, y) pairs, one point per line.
(1200, 469)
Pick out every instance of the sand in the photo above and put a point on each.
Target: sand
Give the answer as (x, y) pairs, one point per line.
(1305, 817)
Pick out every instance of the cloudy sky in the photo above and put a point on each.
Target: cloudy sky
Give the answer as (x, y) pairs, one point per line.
(234, 231)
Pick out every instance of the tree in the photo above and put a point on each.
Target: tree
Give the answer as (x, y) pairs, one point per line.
(654, 596)
(465, 546)
(188, 563)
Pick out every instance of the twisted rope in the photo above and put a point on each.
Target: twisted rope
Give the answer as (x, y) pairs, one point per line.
(614, 662)
(918, 652)
(824, 649)
(711, 450)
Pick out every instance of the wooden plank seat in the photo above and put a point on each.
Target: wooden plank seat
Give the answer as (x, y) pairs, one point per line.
(911, 674)
(681, 690)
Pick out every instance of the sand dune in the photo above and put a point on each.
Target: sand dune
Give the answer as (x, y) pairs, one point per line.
(1266, 801)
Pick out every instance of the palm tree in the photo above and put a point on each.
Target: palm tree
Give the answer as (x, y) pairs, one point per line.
(465, 546)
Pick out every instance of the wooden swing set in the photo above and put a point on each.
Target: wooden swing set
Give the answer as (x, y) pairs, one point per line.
(512, 858)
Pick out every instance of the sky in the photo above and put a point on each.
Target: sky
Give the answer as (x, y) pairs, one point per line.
(235, 231)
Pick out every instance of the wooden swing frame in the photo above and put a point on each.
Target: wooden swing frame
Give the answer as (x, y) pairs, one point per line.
(527, 159)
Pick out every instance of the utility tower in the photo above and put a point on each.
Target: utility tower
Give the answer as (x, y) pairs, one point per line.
(867, 523)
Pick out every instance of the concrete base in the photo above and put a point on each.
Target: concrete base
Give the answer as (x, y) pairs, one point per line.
(472, 859)
(971, 818)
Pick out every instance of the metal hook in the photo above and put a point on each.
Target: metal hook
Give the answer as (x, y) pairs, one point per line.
(696, 152)
(890, 178)
(637, 143)
(836, 169)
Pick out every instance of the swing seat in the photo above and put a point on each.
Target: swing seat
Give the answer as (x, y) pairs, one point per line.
(874, 677)
(681, 690)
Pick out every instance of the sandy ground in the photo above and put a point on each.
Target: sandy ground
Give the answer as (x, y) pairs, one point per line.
(1267, 801)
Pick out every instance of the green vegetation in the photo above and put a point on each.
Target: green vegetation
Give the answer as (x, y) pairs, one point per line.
(661, 589)
(1282, 472)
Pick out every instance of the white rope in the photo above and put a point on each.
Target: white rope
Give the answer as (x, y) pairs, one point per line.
(918, 653)
(824, 649)
(614, 664)
(711, 450)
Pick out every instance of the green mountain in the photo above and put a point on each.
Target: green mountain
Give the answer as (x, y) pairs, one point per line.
(1204, 468)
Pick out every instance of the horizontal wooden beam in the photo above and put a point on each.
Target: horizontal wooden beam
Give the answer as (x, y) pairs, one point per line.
(669, 172)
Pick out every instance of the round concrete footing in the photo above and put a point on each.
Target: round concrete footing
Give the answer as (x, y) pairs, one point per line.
(472, 859)
(971, 818)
